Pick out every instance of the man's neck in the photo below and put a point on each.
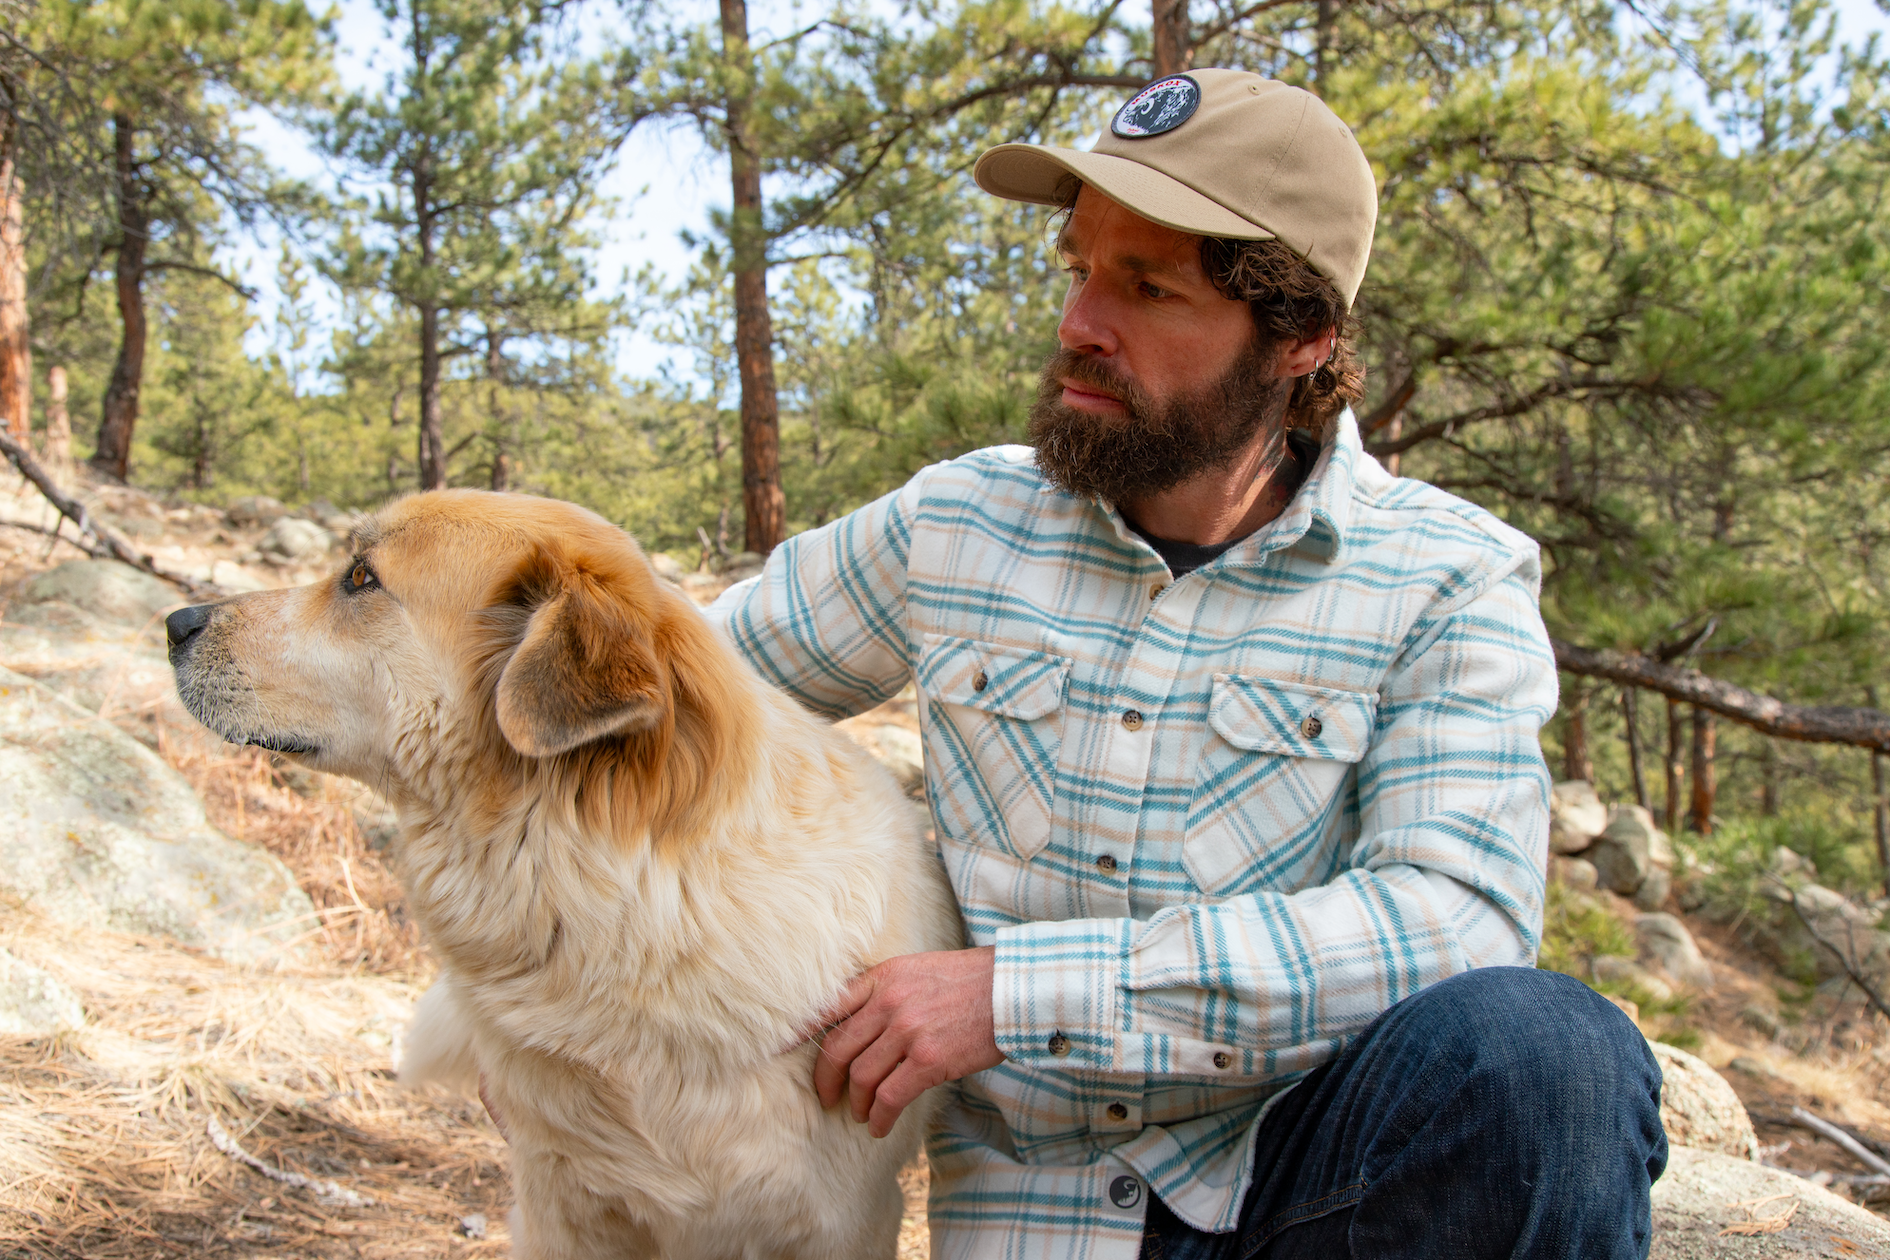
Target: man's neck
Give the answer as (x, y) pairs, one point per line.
(1227, 503)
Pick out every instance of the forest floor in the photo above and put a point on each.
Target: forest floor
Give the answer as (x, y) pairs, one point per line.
(106, 1149)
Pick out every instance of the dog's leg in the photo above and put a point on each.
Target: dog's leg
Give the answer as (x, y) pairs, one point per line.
(438, 1048)
(557, 1218)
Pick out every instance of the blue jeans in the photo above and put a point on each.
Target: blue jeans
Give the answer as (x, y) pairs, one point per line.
(1502, 1112)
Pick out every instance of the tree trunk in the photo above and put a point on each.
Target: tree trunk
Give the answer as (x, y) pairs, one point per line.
(1324, 22)
(119, 414)
(1174, 37)
(1576, 763)
(16, 355)
(58, 423)
(1676, 768)
(1630, 724)
(495, 372)
(1705, 783)
(764, 506)
(1880, 805)
(1768, 781)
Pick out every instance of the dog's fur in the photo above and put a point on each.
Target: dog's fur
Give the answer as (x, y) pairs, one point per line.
(647, 873)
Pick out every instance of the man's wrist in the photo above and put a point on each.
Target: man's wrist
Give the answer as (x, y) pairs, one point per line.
(1056, 991)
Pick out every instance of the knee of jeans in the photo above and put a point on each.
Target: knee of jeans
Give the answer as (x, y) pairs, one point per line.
(1541, 1030)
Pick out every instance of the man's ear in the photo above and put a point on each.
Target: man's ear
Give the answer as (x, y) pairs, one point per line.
(582, 671)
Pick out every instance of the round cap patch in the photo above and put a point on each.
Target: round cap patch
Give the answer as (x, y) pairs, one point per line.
(1161, 106)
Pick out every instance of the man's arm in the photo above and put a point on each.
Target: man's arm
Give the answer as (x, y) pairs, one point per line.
(1447, 875)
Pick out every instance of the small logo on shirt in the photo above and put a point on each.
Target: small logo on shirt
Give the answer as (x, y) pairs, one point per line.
(1125, 1192)
(1161, 106)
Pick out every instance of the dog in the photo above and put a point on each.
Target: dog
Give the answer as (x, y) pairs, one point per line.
(646, 873)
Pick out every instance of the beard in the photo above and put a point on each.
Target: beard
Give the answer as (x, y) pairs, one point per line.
(1153, 446)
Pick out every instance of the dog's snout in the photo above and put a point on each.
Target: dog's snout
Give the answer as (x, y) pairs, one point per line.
(181, 626)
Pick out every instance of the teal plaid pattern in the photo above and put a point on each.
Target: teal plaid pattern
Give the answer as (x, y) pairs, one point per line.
(1214, 826)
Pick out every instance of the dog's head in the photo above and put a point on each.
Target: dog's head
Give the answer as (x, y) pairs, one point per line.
(466, 628)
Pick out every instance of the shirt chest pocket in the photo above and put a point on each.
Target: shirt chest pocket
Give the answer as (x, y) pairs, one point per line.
(994, 721)
(1273, 783)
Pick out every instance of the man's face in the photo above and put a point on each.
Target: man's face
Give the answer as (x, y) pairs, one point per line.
(1159, 377)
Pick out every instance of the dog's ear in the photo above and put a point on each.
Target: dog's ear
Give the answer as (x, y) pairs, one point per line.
(584, 670)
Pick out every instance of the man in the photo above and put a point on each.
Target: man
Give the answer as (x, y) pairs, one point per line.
(1231, 748)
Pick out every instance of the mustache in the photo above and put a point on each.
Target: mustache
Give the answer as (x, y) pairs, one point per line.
(1087, 369)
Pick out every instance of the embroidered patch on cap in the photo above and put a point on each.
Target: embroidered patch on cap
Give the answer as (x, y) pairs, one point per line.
(1161, 106)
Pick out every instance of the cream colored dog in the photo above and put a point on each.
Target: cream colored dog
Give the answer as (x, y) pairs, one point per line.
(647, 873)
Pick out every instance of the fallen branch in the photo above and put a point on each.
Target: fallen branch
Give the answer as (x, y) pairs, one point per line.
(1824, 1128)
(108, 544)
(326, 1191)
(1755, 1224)
(1814, 724)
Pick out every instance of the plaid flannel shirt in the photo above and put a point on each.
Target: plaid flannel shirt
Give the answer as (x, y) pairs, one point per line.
(1213, 825)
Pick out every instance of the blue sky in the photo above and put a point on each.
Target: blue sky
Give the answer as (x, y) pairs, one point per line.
(664, 182)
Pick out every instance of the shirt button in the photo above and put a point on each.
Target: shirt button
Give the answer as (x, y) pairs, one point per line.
(980, 682)
(1132, 719)
(1059, 1044)
(1222, 1059)
(1311, 727)
(1106, 864)
(1118, 1112)
(1155, 591)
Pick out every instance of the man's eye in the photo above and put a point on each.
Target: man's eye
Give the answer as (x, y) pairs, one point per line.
(1153, 290)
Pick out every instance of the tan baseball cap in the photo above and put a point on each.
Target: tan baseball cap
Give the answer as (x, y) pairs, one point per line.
(1218, 153)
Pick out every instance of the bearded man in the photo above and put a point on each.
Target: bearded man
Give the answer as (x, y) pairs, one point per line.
(1231, 748)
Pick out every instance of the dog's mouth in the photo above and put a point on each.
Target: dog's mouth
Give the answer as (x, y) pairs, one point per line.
(287, 744)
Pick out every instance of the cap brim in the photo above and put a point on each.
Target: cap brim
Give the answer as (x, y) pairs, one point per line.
(1044, 175)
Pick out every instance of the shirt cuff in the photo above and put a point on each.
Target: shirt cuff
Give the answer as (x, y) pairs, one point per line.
(1056, 994)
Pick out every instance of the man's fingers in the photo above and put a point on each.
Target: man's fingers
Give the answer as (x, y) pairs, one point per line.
(858, 992)
(899, 1091)
(838, 1049)
(873, 1064)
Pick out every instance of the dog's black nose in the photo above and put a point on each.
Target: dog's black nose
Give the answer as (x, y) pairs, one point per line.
(185, 622)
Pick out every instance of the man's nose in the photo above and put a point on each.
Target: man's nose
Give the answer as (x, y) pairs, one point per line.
(1086, 325)
(182, 626)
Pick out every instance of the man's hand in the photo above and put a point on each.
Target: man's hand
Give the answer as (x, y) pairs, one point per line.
(910, 1023)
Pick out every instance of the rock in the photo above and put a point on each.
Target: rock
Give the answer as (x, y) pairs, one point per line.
(1755, 1067)
(1787, 862)
(296, 541)
(744, 565)
(1625, 849)
(1652, 894)
(1839, 921)
(666, 566)
(1760, 1020)
(102, 835)
(255, 509)
(1614, 969)
(1698, 1108)
(32, 1003)
(1702, 1193)
(1666, 945)
(1573, 872)
(104, 589)
(1628, 1007)
(1576, 816)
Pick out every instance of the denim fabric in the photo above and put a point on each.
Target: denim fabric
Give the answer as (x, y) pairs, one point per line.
(1502, 1112)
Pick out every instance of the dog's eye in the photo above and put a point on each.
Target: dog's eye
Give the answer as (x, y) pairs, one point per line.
(361, 577)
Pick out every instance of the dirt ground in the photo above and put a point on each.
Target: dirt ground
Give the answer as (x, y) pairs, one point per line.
(106, 1146)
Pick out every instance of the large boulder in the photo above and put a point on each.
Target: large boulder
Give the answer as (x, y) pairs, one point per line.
(1698, 1108)
(255, 509)
(1823, 922)
(102, 589)
(1704, 1192)
(1666, 945)
(1627, 848)
(1576, 816)
(33, 1003)
(102, 835)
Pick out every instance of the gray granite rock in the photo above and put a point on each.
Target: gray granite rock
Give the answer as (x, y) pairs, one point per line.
(1698, 1108)
(1698, 1197)
(1666, 945)
(33, 1003)
(103, 589)
(1576, 816)
(101, 834)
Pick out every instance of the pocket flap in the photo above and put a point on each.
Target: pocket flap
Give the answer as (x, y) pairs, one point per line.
(1013, 682)
(1292, 719)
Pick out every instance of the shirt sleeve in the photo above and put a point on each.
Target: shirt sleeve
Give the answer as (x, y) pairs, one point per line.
(1447, 874)
(825, 620)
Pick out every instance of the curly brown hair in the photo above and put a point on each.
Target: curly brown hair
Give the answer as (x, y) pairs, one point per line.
(1291, 302)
